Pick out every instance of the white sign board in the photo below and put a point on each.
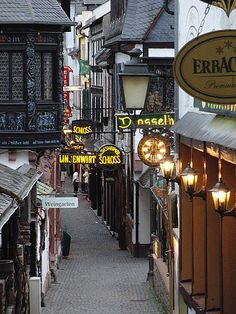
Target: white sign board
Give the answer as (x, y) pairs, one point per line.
(72, 88)
(59, 202)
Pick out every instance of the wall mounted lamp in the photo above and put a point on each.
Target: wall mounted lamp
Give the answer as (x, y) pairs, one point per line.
(190, 177)
(221, 195)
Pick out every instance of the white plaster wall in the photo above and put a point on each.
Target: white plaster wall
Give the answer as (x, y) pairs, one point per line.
(70, 36)
(84, 50)
(139, 46)
(161, 53)
(191, 311)
(22, 157)
(137, 138)
(101, 10)
(121, 57)
(71, 41)
(46, 259)
(189, 17)
(144, 216)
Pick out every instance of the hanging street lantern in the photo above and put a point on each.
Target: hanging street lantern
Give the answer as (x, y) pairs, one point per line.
(227, 5)
(135, 82)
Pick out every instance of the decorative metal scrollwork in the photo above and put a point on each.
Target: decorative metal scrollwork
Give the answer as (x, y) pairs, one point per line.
(30, 68)
(161, 96)
(59, 91)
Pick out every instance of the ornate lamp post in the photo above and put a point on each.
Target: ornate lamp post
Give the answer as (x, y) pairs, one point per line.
(135, 82)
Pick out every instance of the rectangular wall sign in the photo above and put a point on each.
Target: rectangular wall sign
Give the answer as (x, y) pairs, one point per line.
(77, 159)
(59, 202)
(146, 120)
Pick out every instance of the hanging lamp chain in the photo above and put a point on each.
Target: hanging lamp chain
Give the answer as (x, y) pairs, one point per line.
(203, 20)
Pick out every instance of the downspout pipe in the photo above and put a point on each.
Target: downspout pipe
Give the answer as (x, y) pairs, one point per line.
(166, 7)
(137, 219)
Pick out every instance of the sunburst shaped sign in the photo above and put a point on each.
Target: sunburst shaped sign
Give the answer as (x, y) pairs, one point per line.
(227, 5)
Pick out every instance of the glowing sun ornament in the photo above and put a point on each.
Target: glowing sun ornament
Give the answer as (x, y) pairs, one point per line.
(152, 149)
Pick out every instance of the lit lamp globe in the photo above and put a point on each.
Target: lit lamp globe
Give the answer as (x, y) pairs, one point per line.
(189, 177)
(167, 167)
(135, 82)
(220, 194)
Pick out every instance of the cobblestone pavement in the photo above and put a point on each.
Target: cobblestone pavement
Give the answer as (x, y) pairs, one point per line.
(97, 277)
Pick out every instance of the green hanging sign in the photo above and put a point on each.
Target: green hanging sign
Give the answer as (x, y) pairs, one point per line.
(146, 120)
(84, 67)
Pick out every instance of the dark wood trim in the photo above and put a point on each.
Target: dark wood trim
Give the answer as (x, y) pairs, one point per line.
(185, 288)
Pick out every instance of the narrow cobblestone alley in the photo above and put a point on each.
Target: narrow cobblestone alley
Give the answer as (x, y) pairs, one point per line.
(97, 277)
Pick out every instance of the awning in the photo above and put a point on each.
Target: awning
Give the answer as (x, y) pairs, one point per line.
(206, 127)
(33, 176)
(7, 208)
(74, 52)
(103, 56)
(99, 53)
(18, 182)
(42, 191)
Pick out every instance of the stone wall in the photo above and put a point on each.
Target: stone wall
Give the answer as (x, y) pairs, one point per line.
(160, 288)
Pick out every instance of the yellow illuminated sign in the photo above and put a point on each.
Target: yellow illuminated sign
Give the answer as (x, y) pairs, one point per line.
(124, 122)
(167, 119)
(223, 109)
(74, 147)
(82, 130)
(109, 157)
(82, 127)
(77, 159)
(146, 120)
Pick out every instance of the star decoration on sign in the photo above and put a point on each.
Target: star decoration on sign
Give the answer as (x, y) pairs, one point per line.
(219, 50)
(228, 44)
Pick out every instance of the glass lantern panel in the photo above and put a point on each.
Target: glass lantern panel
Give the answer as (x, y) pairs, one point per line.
(221, 200)
(135, 90)
(190, 183)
